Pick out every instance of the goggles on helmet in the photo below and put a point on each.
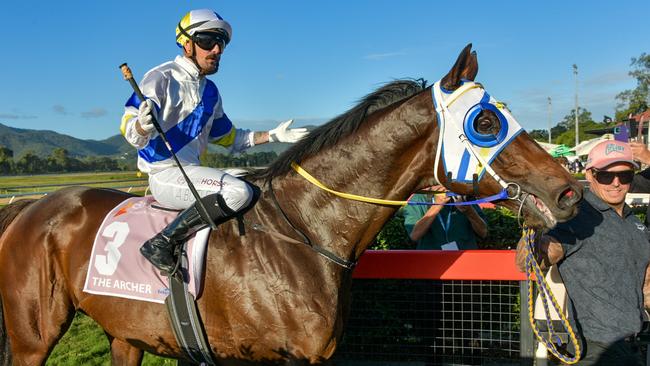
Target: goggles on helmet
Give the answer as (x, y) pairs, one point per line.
(207, 40)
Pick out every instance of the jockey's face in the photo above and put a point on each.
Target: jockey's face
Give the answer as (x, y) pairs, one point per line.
(613, 193)
(207, 60)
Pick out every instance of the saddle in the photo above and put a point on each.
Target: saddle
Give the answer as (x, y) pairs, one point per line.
(116, 267)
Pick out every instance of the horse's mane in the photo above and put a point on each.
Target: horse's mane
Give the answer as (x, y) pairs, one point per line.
(345, 124)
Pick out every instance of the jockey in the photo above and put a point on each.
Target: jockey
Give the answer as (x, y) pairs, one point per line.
(189, 109)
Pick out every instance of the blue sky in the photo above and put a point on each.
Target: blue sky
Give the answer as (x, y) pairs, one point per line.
(312, 60)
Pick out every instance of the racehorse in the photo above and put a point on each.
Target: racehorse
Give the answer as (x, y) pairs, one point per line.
(268, 299)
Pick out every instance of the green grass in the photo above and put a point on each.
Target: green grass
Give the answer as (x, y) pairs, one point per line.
(47, 183)
(85, 344)
(67, 178)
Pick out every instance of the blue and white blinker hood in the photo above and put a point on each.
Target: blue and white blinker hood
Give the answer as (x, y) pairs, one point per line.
(462, 150)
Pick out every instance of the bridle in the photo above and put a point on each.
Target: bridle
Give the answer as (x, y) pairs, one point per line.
(462, 150)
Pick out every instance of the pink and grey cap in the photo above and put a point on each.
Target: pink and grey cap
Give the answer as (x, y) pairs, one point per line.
(609, 152)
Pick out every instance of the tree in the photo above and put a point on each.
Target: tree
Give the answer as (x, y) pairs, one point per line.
(569, 121)
(539, 135)
(30, 163)
(59, 160)
(585, 122)
(6, 160)
(636, 100)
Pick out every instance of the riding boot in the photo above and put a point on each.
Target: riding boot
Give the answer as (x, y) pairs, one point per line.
(160, 249)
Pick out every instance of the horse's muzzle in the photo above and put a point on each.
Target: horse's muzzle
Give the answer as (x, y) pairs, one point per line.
(568, 199)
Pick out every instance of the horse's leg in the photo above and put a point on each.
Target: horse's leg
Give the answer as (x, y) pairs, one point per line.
(123, 353)
(35, 329)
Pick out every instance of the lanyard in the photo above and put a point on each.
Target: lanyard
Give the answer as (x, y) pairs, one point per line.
(445, 227)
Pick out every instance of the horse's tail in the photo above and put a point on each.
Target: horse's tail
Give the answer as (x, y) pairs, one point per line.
(7, 215)
(10, 211)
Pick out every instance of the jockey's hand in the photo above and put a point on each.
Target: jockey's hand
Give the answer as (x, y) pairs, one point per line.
(283, 133)
(145, 117)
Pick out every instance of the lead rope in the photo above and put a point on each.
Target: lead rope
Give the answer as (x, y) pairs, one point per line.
(533, 270)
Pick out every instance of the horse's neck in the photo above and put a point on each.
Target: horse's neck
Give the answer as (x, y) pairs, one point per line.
(384, 159)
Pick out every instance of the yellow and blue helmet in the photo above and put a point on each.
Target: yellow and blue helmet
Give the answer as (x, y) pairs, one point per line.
(199, 21)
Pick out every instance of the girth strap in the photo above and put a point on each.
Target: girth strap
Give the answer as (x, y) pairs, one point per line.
(185, 320)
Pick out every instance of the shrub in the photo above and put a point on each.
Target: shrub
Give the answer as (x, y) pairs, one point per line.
(503, 232)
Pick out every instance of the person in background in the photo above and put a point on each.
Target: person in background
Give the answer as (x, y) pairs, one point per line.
(442, 227)
(641, 182)
(190, 111)
(577, 166)
(602, 255)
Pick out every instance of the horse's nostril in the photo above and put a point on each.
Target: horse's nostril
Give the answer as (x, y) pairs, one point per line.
(568, 198)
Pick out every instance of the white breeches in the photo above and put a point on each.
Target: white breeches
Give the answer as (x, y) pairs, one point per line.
(169, 189)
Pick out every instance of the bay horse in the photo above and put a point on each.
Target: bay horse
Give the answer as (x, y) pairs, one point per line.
(266, 299)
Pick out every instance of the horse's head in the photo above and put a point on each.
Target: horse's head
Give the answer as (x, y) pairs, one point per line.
(480, 141)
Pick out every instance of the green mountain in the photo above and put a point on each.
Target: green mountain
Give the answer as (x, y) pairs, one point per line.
(43, 142)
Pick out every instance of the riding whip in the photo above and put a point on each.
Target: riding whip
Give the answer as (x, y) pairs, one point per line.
(128, 76)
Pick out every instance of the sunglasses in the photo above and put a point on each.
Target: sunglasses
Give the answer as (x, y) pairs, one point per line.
(607, 177)
(207, 40)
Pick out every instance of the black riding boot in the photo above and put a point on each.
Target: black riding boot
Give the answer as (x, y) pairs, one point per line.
(159, 250)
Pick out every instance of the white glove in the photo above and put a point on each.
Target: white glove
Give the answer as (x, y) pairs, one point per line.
(282, 133)
(145, 113)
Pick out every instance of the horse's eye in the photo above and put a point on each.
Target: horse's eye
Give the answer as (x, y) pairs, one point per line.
(487, 123)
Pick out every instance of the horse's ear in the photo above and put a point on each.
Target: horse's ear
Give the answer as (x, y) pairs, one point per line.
(472, 68)
(451, 81)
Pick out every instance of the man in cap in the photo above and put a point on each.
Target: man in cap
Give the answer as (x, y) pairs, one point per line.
(602, 255)
(189, 108)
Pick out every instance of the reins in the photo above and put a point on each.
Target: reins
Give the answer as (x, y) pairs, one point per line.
(533, 270)
(503, 194)
(348, 264)
(330, 256)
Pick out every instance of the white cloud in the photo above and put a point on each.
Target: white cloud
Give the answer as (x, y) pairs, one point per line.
(380, 56)
(59, 109)
(16, 116)
(607, 79)
(94, 113)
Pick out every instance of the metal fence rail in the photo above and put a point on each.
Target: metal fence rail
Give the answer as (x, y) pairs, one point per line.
(41, 186)
(43, 193)
(463, 308)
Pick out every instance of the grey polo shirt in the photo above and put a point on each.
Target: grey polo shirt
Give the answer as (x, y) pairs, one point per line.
(606, 256)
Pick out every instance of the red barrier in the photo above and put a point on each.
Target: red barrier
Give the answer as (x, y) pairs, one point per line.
(496, 265)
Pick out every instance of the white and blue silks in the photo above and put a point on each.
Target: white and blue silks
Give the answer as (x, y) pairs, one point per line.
(190, 111)
(462, 150)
